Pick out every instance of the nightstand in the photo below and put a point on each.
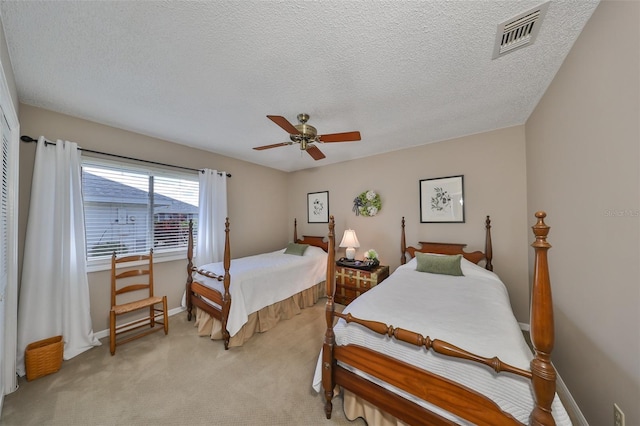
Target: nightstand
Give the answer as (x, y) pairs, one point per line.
(351, 282)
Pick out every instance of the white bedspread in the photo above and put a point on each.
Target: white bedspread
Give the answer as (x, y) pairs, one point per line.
(264, 279)
(472, 312)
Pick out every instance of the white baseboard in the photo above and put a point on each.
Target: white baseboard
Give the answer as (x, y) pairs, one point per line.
(569, 403)
(105, 333)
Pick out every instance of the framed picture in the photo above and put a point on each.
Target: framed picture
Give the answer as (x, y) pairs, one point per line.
(442, 200)
(318, 207)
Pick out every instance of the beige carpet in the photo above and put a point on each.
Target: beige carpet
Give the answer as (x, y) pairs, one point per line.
(183, 379)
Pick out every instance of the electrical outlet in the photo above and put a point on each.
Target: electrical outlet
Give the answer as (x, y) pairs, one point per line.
(618, 416)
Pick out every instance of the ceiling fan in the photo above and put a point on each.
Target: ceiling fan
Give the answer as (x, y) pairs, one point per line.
(306, 135)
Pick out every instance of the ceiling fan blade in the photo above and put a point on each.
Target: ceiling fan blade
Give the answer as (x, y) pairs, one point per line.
(315, 152)
(340, 137)
(275, 145)
(284, 123)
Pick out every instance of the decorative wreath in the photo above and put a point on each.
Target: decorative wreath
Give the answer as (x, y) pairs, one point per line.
(367, 204)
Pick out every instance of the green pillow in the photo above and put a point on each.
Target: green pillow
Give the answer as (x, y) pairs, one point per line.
(445, 265)
(296, 249)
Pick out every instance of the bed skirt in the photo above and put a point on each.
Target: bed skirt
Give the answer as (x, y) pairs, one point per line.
(355, 407)
(263, 320)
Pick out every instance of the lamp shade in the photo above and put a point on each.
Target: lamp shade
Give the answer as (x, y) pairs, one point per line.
(350, 241)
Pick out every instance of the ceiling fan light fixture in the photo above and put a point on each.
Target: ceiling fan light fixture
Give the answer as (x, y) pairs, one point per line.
(307, 132)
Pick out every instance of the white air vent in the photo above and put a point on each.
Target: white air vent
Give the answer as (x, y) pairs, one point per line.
(519, 31)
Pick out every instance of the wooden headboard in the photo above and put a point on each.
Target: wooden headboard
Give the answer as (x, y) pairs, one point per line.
(450, 248)
(309, 239)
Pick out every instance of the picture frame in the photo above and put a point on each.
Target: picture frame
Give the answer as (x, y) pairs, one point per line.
(442, 200)
(318, 207)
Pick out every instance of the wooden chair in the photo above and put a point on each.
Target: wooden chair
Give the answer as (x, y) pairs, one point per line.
(128, 295)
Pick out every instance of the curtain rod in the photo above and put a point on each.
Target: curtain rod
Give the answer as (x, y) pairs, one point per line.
(25, 138)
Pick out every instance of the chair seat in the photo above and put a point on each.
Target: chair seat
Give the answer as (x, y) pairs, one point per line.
(135, 305)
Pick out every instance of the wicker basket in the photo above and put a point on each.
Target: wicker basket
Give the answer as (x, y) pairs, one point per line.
(43, 357)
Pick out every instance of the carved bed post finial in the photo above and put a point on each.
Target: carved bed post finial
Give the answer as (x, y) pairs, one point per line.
(542, 328)
(488, 248)
(295, 230)
(189, 269)
(403, 245)
(329, 337)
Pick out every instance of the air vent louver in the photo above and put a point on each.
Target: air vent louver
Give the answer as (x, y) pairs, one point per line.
(519, 31)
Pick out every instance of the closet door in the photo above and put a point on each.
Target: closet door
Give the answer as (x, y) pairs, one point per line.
(4, 228)
(4, 267)
(9, 129)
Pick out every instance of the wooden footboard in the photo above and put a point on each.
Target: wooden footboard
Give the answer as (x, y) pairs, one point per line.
(441, 392)
(196, 292)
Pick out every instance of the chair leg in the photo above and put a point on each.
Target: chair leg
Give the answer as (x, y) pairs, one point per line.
(166, 317)
(112, 332)
(152, 317)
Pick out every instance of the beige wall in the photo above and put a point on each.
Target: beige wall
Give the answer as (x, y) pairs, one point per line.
(493, 165)
(250, 206)
(583, 169)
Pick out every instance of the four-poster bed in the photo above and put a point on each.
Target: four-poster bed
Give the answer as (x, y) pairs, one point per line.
(391, 375)
(236, 298)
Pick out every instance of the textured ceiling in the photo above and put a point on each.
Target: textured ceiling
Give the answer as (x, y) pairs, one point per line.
(206, 74)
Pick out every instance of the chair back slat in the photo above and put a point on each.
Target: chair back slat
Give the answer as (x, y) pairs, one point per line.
(124, 268)
(132, 273)
(132, 287)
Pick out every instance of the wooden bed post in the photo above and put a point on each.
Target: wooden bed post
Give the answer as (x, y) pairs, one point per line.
(329, 337)
(542, 329)
(295, 230)
(403, 245)
(189, 269)
(488, 248)
(226, 300)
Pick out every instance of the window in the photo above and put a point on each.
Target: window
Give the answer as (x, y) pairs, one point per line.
(130, 209)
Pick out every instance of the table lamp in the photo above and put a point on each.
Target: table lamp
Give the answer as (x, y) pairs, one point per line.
(350, 241)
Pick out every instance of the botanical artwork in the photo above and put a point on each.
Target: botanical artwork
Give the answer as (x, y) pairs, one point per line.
(318, 207)
(442, 200)
(367, 204)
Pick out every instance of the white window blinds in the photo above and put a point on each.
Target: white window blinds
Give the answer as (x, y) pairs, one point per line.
(130, 209)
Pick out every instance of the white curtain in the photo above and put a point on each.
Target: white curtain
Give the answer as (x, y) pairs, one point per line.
(211, 217)
(54, 292)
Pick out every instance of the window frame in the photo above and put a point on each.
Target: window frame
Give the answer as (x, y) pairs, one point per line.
(159, 256)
